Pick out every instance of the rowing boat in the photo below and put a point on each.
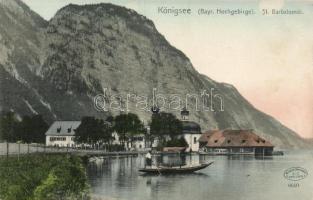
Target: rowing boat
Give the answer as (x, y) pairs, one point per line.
(174, 170)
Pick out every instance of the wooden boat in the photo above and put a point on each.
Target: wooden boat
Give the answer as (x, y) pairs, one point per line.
(174, 170)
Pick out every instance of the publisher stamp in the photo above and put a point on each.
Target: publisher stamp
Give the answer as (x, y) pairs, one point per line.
(295, 174)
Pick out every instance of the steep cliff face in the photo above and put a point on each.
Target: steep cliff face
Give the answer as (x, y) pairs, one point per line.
(83, 50)
(20, 57)
(23, 89)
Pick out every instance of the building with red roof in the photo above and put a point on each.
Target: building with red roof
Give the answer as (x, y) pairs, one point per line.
(234, 142)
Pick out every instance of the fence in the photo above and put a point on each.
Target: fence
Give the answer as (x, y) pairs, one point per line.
(19, 149)
(11, 149)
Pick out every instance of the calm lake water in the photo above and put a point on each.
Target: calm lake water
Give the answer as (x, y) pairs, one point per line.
(230, 177)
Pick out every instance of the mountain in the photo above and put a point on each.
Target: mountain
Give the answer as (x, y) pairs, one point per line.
(20, 43)
(309, 142)
(56, 68)
(22, 54)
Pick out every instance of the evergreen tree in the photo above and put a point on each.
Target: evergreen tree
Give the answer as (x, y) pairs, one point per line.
(8, 127)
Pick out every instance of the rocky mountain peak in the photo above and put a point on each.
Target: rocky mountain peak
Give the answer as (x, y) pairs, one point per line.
(92, 41)
(20, 35)
(110, 11)
(102, 16)
(98, 17)
(20, 14)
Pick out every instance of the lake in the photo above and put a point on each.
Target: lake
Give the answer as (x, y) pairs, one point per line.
(230, 177)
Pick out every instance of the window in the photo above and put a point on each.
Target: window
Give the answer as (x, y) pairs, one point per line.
(59, 129)
(215, 141)
(243, 141)
(195, 140)
(52, 139)
(138, 138)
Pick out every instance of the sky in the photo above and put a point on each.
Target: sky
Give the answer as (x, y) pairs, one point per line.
(269, 59)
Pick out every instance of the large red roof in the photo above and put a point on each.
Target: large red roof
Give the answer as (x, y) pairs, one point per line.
(233, 138)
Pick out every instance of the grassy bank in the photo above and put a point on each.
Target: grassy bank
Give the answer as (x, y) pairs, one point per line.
(42, 177)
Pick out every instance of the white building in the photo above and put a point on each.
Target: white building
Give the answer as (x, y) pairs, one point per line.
(191, 131)
(62, 133)
(138, 143)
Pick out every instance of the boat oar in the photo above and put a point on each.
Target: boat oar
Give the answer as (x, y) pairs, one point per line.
(157, 169)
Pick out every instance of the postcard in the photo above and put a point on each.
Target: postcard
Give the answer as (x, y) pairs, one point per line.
(156, 100)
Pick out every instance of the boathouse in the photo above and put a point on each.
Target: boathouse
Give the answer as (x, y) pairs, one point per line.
(234, 142)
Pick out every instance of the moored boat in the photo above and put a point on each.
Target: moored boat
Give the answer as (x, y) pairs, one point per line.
(174, 170)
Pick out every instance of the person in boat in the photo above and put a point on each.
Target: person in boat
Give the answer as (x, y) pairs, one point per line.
(148, 158)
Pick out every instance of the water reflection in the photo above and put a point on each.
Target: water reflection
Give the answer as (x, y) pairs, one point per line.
(230, 177)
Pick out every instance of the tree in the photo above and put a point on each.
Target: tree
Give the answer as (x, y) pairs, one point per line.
(8, 127)
(165, 124)
(127, 126)
(110, 119)
(92, 131)
(107, 137)
(32, 129)
(177, 142)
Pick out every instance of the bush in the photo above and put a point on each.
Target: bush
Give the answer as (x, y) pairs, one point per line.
(39, 177)
(180, 142)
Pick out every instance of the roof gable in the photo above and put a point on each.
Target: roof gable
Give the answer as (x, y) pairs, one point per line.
(63, 128)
